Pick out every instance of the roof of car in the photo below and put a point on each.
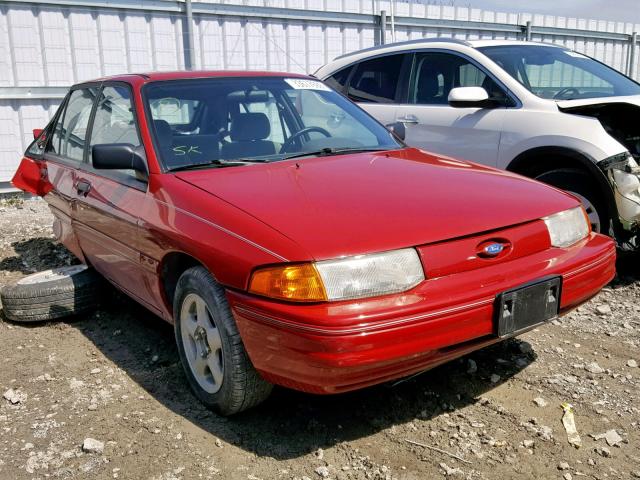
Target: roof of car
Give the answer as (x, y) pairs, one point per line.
(496, 43)
(444, 40)
(184, 74)
(406, 43)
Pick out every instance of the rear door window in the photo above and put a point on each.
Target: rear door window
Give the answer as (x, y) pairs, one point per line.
(69, 134)
(338, 81)
(376, 80)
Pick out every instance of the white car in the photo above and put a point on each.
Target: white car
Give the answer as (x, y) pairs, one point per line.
(539, 110)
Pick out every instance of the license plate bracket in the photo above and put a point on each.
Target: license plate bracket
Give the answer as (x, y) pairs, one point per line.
(528, 305)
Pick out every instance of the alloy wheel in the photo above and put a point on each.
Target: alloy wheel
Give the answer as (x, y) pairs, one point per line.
(202, 343)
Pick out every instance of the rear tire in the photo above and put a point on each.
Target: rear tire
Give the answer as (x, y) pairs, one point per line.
(211, 351)
(580, 184)
(52, 294)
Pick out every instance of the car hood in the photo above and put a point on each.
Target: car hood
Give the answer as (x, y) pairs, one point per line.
(359, 203)
(570, 104)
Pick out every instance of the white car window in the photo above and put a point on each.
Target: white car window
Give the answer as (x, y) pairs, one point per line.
(376, 80)
(435, 74)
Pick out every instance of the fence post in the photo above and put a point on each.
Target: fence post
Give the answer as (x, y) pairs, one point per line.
(383, 27)
(631, 72)
(527, 31)
(189, 54)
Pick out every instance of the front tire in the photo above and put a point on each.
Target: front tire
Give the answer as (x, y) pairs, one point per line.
(213, 356)
(586, 189)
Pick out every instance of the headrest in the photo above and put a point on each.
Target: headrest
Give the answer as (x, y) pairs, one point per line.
(163, 133)
(247, 127)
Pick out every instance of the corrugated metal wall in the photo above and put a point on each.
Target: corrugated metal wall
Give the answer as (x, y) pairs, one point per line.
(58, 43)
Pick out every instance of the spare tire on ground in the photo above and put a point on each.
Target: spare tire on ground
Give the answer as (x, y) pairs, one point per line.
(52, 294)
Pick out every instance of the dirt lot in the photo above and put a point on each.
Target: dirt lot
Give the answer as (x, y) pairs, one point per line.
(114, 376)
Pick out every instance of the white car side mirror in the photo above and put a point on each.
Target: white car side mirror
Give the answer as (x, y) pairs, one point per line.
(469, 97)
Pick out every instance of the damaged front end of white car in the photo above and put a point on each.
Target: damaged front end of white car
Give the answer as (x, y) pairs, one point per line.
(623, 173)
(619, 118)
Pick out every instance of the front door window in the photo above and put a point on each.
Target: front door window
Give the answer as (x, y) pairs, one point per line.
(114, 121)
(435, 74)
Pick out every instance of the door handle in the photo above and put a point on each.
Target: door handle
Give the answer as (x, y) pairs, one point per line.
(411, 119)
(83, 187)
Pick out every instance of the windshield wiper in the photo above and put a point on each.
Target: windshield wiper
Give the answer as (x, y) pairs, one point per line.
(329, 151)
(216, 163)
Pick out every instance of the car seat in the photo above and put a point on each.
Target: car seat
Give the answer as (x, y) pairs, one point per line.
(248, 132)
(179, 150)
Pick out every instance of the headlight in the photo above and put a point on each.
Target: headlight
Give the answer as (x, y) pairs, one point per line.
(568, 227)
(341, 279)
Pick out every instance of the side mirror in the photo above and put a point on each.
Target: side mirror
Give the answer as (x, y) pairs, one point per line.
(37, 132)
(118, 156)
(470, 97)
(398, 130)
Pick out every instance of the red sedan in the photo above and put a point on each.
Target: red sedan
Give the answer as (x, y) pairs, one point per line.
(293, 240)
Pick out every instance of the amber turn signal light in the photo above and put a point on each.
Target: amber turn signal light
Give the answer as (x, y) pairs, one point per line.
(297, 283)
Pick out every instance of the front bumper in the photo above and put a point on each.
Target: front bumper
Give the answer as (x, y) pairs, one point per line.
(336, 347)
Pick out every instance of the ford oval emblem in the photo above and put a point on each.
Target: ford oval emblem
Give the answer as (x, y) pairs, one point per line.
(493, 249)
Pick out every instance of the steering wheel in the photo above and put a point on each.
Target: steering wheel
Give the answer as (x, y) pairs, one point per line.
(289, 141)
(561, 94)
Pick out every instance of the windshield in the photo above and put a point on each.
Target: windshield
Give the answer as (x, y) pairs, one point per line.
(559, 74)
(222, 121)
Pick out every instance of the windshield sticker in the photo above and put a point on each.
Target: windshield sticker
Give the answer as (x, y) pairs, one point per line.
(303, 84)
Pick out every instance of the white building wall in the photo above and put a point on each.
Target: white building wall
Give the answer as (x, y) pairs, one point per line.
(46, 45)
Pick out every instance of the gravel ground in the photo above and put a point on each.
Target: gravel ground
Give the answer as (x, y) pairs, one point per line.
(103, 396)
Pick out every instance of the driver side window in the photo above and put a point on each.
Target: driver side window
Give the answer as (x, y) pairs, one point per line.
(114, 120)
(435, 74)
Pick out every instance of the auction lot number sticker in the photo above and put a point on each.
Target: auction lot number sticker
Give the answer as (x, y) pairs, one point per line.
(304, 84)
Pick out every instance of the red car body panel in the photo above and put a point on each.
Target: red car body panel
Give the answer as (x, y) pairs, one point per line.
(371, 202)
(235, 220)
(32, 177)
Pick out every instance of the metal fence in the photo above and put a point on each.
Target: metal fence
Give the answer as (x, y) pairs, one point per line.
(48, 45)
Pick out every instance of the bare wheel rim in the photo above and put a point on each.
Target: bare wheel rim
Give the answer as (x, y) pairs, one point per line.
(51, 275)
(592, 213)
(202, 343)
